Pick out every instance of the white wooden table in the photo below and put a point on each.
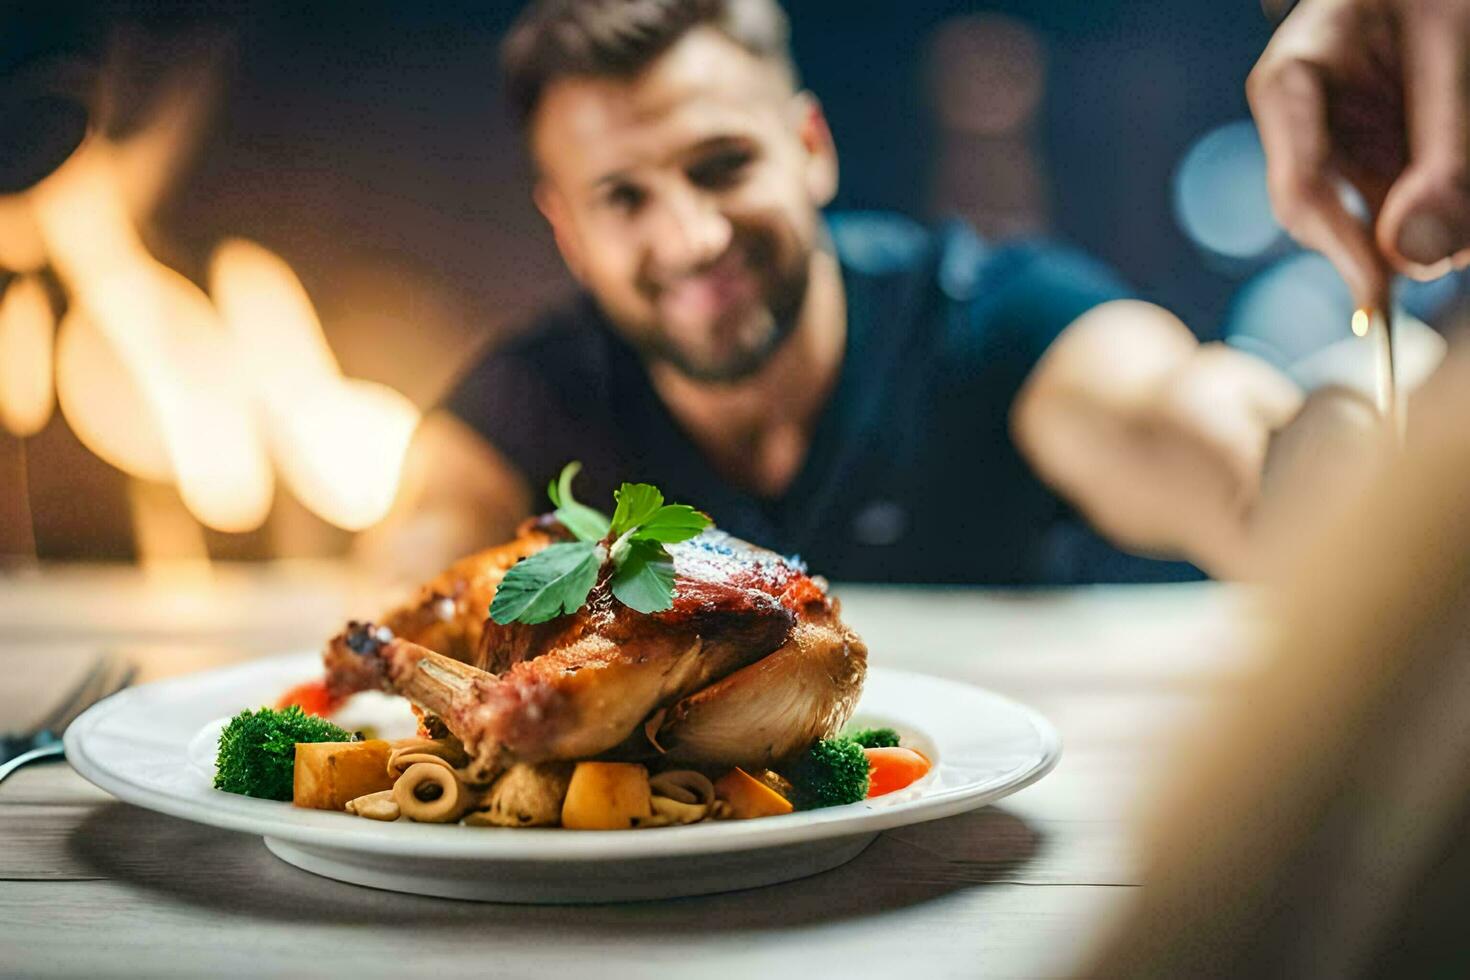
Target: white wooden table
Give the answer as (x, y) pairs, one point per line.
(90, 886)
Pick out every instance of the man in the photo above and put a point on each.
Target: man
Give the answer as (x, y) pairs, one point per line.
(888, 402)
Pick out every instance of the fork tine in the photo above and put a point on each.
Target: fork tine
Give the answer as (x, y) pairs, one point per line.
(77, 694)
(117, 675)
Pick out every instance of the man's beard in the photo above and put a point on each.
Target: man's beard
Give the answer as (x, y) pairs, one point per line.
(775, 321)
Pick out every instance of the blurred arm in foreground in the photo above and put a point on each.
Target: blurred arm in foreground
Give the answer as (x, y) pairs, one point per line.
(1317, 824)
(1373, 92)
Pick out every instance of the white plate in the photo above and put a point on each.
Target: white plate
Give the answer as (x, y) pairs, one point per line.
(152, 745)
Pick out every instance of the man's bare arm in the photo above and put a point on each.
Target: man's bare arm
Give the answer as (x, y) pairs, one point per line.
(1158, 440)
(459, 494)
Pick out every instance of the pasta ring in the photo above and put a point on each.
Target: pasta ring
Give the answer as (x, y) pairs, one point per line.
(447, 806)
(683, 786)
(411, 750)
(399, 763)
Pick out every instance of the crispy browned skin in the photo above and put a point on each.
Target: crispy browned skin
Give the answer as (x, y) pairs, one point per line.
(584, 684)
(448, 614)
(716, 573)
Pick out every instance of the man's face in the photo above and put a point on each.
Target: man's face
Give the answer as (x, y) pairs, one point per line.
(686, 199)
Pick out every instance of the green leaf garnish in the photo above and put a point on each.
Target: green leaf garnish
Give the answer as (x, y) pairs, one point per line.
(551, 582)
(637, 502)
(645, 579)
(558, 579)
(587, 523)
(671, 523)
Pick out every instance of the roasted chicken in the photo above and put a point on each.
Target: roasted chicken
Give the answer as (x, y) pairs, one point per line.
(750, 665)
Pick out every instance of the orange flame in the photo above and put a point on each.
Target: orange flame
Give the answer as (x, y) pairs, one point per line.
(103, 403)
(168, 385)
(168, 339)
(27, 326)
(340, 444)
(21, 248)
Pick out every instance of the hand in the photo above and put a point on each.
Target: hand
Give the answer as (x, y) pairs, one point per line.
(1377, 93)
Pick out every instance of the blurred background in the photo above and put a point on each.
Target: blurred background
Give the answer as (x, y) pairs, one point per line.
(288, 226)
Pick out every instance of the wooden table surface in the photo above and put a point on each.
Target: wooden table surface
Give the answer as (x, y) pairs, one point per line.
(90, 886)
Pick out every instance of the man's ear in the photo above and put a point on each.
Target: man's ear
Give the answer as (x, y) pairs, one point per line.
(821, 152)
(553, 208)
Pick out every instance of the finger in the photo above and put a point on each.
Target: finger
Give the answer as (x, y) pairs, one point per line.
(1425, 220)
(1267, 401)
(1272, 397)
(1289, 102)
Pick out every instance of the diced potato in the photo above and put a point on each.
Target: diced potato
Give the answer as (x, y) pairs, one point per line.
(329, 774)
(749, 797)
(607, 796)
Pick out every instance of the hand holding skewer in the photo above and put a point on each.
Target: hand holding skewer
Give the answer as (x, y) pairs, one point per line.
(1372, 93)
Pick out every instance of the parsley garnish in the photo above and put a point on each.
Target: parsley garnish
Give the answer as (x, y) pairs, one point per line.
(557, 579)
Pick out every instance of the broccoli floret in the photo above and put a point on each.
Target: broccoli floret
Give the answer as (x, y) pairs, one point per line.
(257, 750)
(875, 738)
(832, 772)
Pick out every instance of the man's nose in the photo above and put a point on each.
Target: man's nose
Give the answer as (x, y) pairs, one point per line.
(691, 232)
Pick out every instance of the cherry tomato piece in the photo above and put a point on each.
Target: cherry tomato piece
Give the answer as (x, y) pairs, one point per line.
(891, 769)
(313, 698)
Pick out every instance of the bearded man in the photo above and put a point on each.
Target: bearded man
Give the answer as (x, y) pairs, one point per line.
(891, 402)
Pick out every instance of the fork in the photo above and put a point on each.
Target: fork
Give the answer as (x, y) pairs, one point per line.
(107, 675)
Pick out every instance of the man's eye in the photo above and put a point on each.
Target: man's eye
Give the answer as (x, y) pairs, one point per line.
(720, 171)
(625, 197)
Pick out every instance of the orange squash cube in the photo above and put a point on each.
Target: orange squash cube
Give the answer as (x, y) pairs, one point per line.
(749, 797)
(607, 796)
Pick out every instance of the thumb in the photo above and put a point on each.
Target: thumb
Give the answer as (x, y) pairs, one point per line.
(1425, 224)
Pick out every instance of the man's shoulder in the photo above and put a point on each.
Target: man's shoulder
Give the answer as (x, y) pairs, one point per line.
(565, 336)
(971, 290)
(541, 397)
(959, 262)
(563, 351)
(880, 243)
(560, 359)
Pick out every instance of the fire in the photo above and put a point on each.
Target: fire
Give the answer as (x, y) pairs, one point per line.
(103, 403)
(21, 249)
(340, 444)
(167, 338)
(27, 326)
(214, 393)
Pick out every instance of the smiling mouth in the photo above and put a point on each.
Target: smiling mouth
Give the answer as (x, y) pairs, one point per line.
(710, 294)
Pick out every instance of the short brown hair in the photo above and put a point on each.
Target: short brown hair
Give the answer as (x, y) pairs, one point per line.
(555, 39)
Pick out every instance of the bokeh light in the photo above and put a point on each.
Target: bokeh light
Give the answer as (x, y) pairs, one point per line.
(1294, 308)
(1220, 197)
(1297, 314)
